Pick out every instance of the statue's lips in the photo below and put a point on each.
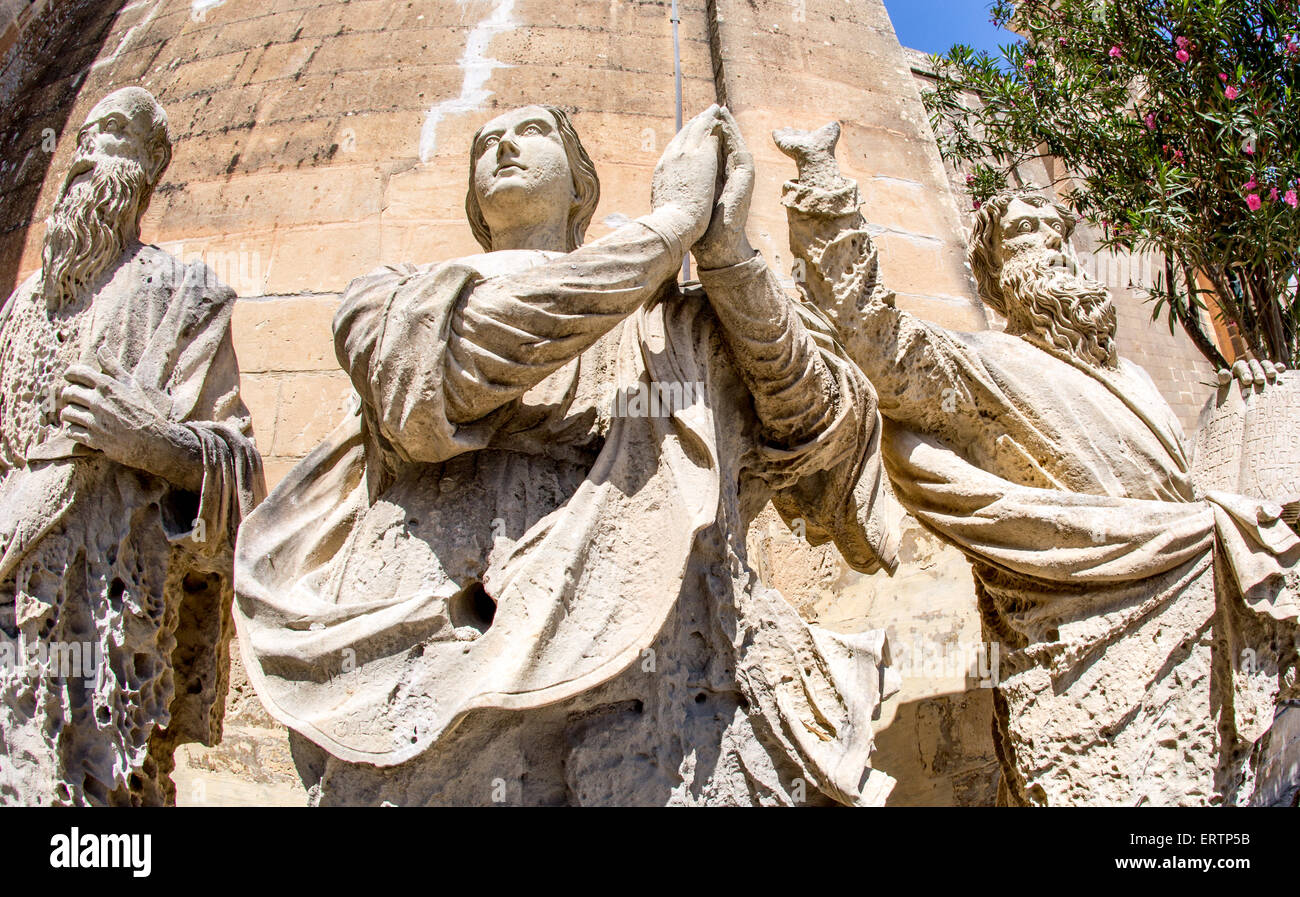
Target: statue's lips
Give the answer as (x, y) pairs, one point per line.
(510, 168)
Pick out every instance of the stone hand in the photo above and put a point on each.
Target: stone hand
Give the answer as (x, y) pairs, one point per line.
(814, 153)
(1251, 373)
(686, 178)
(106, 410)
(724, 243)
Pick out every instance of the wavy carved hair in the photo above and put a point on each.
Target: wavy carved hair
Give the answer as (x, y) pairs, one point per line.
(586, 185)
(983, 254)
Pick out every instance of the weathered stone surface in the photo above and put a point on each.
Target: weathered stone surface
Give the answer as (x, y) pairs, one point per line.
(1249, 441)
(1122, 605)
(125, 469)
(558, 609)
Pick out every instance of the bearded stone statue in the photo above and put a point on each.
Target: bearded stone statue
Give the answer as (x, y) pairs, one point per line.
(1147, 632)
(126, 464)
(518, 573)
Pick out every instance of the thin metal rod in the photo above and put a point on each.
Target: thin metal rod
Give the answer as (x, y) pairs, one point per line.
(677, 79)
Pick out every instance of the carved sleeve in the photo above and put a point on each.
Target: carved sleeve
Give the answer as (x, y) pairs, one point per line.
(794, 394)
(233, 481)
(837, 266)
(511, 332)
(439, 356)
(820, 455)
(910, 362)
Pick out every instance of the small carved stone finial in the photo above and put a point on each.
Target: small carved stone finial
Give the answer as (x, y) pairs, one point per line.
(813, 152)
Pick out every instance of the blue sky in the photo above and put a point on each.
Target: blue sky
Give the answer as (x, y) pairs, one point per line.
(935, 25)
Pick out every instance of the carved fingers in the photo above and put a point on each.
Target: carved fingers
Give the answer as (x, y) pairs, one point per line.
(1250, 373)
(685, 180)
(724, 243)
(104, 409)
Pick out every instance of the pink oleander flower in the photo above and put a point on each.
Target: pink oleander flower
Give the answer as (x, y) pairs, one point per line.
(1249, 148)
(1150, 121)
(1182, 56)
(1251, 184)
(1223, 77)
(1272, 194)
(1116, 52)
(1254, 202)
(1182, 42)
(1291, 199)
(1179, 157)
(1231, 92)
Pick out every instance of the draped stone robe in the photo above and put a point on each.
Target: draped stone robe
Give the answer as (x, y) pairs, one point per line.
(517, 574)
(1124, 604)
(115, 586)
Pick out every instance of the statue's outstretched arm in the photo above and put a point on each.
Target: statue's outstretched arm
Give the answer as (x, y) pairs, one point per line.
(837, 269)
(436, 353)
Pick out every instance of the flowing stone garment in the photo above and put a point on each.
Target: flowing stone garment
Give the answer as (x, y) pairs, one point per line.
(114, 586)
(1122, 601)
(505, 580)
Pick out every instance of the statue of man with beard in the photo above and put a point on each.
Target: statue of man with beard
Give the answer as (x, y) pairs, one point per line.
(126, 464)
(1146, 632)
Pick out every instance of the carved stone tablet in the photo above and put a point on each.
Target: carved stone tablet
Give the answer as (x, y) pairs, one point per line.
(1250, 444)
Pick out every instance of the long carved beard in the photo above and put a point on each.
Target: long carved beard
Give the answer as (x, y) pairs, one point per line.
(1049, 306)
(89, 228)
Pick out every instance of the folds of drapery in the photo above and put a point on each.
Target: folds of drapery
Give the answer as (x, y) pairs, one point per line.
(578, 597)
(1055, 559)
(185, 361)
(98, 527)
(1069, 537)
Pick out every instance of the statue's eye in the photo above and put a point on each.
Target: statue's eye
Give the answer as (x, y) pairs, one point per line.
(533, 129)
(489, 142)
(1026, 226)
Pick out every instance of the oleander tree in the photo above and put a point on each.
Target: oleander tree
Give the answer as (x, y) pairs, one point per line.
(1176, 124)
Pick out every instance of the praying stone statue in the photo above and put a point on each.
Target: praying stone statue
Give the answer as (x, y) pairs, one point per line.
(1147, 632)
(126, 464)
(517, 574)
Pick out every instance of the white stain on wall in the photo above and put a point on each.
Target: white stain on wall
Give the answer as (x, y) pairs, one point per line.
(477, 67)
(200, 8)
(140, 27)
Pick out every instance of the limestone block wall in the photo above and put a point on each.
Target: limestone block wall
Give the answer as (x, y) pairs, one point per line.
(318, 139)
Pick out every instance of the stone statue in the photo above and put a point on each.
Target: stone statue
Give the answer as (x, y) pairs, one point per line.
(518, 573)
(1146, 631)
(126, 464)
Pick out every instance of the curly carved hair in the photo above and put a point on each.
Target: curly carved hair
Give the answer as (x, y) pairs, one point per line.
(586, 185)
(983, 254)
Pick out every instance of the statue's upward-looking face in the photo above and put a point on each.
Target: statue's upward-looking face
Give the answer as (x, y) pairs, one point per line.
(521, 170)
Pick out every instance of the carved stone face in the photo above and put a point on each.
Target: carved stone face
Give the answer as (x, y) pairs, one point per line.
(120, 157)
(521, 168)
(1030, 229)
(117, 129)
(1048, 299)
